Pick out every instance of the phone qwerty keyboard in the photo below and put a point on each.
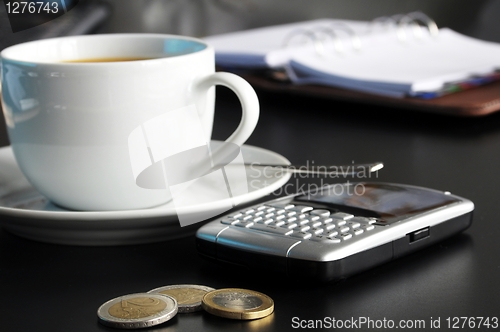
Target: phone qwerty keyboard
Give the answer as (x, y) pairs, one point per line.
(301, 222)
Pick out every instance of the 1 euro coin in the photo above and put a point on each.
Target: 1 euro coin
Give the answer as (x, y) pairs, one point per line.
(237, 303)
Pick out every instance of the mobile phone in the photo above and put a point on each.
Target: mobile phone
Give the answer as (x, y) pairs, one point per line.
(336, 231)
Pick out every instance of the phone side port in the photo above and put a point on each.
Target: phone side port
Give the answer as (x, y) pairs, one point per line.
(419, 234)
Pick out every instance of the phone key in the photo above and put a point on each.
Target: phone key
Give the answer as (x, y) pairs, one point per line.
(327, 220)
(328, 227)
(279, 217)
(266, 221)
(229, 221)
(285, 206)
(344, 229)
(353, 224)
(277, 223)
(315, 223)
(304, 221)
(291, 213)
(248, 211)
(332, 233)
(320, 212)
(272, 229)
(340, 223)
(368, 227)
(269, 215)
(259, 213)
(257, 219)
(313, 218)
(358, 231)
(247, 217)
(325, 230)
(316, 231)
(292, 219)
(302, 208)
(235, 215)
(342, 215)
(244, 224)
(345, 236)
(301, 235)
(280, 211)
(304, 228)
(290, 226)
(262, 207)
(270, 209)
(302, 216)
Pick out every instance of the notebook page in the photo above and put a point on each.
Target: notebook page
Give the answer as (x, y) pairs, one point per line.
(416, 65)
(250, 48)
(368, 41)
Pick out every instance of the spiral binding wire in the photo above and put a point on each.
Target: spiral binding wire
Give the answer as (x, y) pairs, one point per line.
(327, 34)
(402, 22)
(355, 40)
(413, 20)
(332, 31)
(321, 35)
(310, 37)
(426, 20)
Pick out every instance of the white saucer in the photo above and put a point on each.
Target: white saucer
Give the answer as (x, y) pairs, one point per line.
(25, 212)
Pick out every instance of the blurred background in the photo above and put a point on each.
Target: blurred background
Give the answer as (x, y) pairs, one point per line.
(201, 18)
(208, 17)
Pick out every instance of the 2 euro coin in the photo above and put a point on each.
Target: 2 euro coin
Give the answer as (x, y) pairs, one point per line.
(138, 310)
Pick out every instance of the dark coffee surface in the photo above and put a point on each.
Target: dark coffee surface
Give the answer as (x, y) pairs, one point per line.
(114, 59)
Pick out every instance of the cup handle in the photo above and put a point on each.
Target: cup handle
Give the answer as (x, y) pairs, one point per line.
(248, 99)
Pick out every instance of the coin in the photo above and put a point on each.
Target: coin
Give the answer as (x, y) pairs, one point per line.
(237, 303)
(188, 296)
(137, 310)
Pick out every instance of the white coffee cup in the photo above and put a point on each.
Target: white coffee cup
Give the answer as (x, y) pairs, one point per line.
(79, 129)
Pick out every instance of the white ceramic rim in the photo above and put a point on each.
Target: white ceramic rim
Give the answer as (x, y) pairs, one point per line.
(9, 52)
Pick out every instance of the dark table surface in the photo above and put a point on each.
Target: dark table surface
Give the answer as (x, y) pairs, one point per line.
(49, 287)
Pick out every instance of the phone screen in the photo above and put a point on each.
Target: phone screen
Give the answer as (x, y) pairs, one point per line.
(389, 202)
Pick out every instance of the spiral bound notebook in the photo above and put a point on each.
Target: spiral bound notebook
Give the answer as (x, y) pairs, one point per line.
(402, 56)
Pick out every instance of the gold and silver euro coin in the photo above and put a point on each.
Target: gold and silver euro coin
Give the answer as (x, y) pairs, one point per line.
(237, 303)
(137, 310)
(188, 296)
